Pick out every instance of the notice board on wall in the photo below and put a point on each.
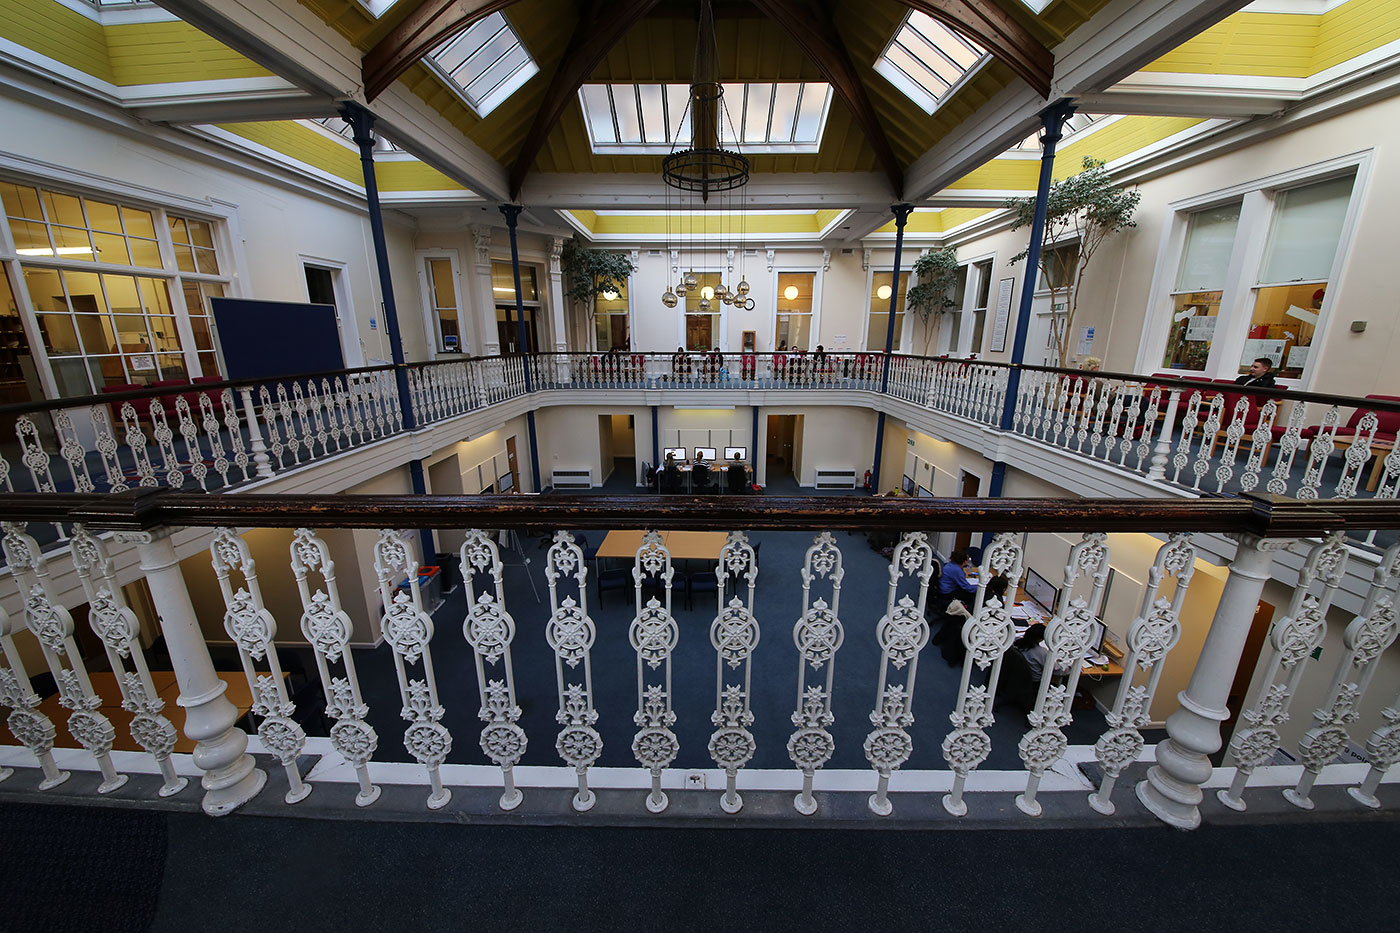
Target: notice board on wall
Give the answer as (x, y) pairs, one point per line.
(270, 339)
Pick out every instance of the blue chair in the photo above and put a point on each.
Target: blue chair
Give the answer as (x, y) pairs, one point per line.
(612, 578)
(700, 581)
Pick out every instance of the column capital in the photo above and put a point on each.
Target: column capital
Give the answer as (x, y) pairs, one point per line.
(481, 237)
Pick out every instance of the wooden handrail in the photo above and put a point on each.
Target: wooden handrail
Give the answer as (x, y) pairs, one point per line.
(143, 510)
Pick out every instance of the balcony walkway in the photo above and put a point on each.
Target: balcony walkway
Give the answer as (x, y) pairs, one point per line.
(117, 870)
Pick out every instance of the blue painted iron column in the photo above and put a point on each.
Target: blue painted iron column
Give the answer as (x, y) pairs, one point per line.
(362, 130)
(901, 216)
(1053, 119)
(512, 214)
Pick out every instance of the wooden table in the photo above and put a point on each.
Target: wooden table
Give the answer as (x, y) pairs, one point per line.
(683, 545)
(105, 685)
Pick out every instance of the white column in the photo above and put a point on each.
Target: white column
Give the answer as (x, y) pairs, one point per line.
(1172, 790)
(231, 777)
(482, 295)
(557, 301)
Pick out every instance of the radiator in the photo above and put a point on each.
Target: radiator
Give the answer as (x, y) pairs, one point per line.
(836, 479)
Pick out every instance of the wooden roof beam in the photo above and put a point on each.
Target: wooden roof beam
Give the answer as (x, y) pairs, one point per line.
(819, 39)
(999, 33)
(432, 23)
(602, 28)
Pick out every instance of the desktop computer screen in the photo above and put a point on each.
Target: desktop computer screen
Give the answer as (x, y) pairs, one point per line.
(705, 453)
(677, 452)
(1040, 589)
(731, 452)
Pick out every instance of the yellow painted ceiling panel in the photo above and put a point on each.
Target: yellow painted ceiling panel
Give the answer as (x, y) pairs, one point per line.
(1120, 138)
(53, 30)
(1353, 28)
(303, 144)
(1001, 175)
(155, 53)
(413, 176)
(937, 221)
(707, 225)
(1265, 44)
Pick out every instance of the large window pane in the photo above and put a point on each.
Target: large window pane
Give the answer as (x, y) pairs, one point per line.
(1306, 230)
(878, 325)
(1210, 237)
(1194, 316)
(1282, 327)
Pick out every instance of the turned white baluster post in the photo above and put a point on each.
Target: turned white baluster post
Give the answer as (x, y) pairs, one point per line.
(1157, 469)
(231, 777)
(255, 438)
(1172, 790)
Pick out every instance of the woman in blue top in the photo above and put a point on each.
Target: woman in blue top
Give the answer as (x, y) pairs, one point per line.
(953, 581)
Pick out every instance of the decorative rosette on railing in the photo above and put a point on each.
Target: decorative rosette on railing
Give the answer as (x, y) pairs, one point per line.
(654, 634)
(489, 629)
(570, 632)
(818, 635)
(409, 629)
(734, 635)
(253, 630)
(1292, 640)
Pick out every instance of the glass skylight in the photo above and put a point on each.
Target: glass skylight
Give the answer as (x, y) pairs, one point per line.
(378, 8)
(1074, 124)
(926, 60)
(487, 63)
(1036, 6)
(783, 117)
(341, 128)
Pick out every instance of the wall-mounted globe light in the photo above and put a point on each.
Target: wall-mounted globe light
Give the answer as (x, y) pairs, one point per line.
(883, 293)
(790, 293)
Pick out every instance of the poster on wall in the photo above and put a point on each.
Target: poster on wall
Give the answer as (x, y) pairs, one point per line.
(1200, 328)
(1002, 320)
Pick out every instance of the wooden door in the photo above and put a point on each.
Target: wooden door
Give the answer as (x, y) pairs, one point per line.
(1249, 660)
(969, 489)
(510, 459)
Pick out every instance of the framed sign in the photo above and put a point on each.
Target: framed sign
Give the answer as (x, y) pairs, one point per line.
(1002, 321)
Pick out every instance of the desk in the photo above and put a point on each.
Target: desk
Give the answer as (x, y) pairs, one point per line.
(104, 684)
(683, 545)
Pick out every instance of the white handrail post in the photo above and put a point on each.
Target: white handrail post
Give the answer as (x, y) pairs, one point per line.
(1172, 790)
(255, 438)
(231, 777)
(1157, 469)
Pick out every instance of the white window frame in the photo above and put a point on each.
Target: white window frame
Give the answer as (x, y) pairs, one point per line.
(222, 216)
(815, 325)
(425, 294)
(1258, 199)
(906, 330)
(352, 348)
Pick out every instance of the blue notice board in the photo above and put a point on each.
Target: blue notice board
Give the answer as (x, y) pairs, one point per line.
(271, 339)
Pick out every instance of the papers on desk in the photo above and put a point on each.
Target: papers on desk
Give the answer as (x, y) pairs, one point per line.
(1020, 614)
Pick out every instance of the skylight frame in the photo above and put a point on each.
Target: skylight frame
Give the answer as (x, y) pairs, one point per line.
(1037, 6)
(377, 8)
(490, 44)
(632, 132)
(914, 31)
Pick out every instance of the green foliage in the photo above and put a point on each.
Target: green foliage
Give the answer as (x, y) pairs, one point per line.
(589, 273)
(937, 271)
(1089, 207)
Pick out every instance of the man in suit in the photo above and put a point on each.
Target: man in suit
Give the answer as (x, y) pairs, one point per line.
(1260, 374)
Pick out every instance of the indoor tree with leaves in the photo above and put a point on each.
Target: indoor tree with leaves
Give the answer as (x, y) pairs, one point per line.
(937, 272)
(589, 273)
(1087, 206)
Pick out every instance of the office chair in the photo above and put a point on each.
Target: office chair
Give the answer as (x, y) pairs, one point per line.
(612, 578)
(738, 480)
(700, 480)
(699, 581)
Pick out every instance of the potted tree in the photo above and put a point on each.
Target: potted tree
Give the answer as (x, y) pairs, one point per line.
(1088, 206)
(589, 273)
(937, 272)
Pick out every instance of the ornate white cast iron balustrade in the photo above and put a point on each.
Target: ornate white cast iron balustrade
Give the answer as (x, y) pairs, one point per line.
(818, 635)
(570, 632)
(654, 635)
(734, 635)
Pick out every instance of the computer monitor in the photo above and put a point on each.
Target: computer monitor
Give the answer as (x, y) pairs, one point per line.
(1040, 589)
(907, 485)
(676, 452)
(706, 453)
(1096, 646)
(731, 452)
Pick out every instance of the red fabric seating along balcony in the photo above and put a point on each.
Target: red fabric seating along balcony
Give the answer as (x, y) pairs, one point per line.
(1388, 427)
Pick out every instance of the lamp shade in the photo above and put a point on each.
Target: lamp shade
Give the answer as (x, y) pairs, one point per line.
(883, 292)
(790, 293)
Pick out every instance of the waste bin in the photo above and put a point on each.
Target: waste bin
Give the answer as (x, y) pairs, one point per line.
(451, 571)
(429, 587)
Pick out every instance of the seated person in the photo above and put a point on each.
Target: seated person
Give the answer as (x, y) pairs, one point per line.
(949, 636)
(1260, 374)
(680, 364)
(1033, 648)
(996, 587)
(953, 581)
(737, 477)
(671, 475)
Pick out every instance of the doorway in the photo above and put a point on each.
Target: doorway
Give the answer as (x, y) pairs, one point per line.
(508, 332)
(780, 460)
(514, 470)
(1249, 660)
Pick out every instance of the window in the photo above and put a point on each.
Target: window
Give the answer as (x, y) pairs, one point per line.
(1292, 281)
(487, 63)
(17, 377)
(926, 60)
(610, 320)
(1200, 284)
(877, 324)
(508, 328)
(1057, 265)
(120, 293)
(979, 311)
(702, 324)
(795, 310)
(442, 295)
(1074, 124)
(783, 117)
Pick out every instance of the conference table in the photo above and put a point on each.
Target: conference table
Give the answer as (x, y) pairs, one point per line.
(683, 545)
